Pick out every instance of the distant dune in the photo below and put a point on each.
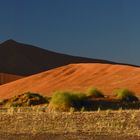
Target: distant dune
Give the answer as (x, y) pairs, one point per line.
(106, 77)
(21, 59)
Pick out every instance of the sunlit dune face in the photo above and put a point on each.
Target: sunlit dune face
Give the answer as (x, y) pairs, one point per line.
(79, 77)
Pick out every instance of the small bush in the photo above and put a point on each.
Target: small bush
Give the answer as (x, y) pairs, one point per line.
(125, 95)
(26, 99)
(63, 100)
(94, 92)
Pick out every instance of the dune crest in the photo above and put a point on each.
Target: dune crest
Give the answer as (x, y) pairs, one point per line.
(25, 60)
(22, 59)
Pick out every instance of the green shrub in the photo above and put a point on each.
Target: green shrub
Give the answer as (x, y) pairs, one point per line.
(63, 100)
(125, 95)
(94, 92)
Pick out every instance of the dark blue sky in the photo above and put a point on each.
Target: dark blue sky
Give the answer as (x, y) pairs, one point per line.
(105, 29)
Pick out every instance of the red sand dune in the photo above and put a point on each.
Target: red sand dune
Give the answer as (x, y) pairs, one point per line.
(106, 77)
(6, 78)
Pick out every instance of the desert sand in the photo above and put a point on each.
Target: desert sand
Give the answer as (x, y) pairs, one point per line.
(78, 77)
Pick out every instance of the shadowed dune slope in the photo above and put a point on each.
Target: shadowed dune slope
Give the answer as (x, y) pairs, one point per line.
(21, 59)
(6, 78)
(106, 77)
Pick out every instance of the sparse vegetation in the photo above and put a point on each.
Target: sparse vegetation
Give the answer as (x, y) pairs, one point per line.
(125, 95)
(93, 92)
(77, 101)
(63, 100)
(98, 123)
(18, 116)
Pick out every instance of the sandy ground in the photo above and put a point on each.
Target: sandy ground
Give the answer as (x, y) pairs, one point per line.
(98, 125)
(68, 136)
(79, 77)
